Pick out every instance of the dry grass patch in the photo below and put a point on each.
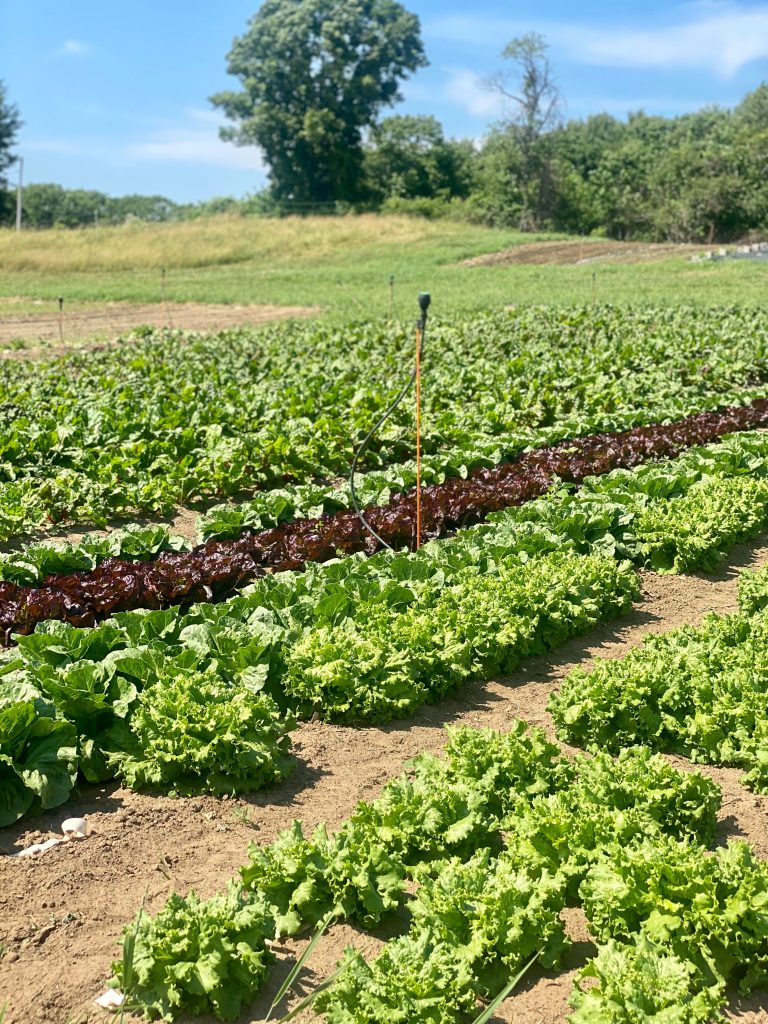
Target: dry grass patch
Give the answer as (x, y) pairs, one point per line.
(227, 239)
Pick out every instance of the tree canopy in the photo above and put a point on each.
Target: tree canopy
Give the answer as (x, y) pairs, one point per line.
(10, 122)
(410, 157)
(314, 76)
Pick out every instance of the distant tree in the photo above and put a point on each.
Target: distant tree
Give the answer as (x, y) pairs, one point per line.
(583, 143)
(10, 122)
(621, 184)
(536, 110)
(753, 109)
(117, 209)
(49, 206)
(410, 157)
(315, 75)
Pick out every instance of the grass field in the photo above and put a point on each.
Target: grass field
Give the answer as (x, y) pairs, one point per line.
(342, 264)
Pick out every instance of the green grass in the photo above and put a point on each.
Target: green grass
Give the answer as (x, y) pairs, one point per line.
(341, 264)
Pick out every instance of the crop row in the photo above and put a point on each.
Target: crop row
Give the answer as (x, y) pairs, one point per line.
(173, 419)
(203, 702)
(216, 568)
(356, 639)
(485, 847)
(698, 691)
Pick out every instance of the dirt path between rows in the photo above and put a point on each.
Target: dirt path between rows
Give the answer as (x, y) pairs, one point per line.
(581, 251)
(60, 914)
(42, 336)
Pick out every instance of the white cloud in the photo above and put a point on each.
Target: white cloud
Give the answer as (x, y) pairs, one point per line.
(73, 48)
(467, 89)
(724, 40)
(715, 36)
(196, 145)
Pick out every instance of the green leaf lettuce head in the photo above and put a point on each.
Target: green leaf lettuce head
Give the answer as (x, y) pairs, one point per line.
(195, 733)
(38, 760)
(197, 956)
(639, 983)
(415, 980)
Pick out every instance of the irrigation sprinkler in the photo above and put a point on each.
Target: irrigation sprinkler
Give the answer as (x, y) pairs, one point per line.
(61, 319)
(414, 376)
(391, 297)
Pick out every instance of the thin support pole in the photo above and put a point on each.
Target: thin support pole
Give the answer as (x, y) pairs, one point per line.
(20, 193)
(61, 319)
(418, 436)
(168, 322)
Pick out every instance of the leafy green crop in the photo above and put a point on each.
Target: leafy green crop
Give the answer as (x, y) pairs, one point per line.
(173, 419)
(38, 762)
(203, 956)
(700, 691)
(696, 531)
(35, 562)
(478, 626)
(638, 982)
(205, 699)
(194, 733)
(372, 638)
(471, 835)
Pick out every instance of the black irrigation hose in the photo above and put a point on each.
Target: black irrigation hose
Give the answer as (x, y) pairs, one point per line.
(421, 323)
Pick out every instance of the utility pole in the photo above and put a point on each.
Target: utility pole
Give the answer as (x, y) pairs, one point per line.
(19, 190)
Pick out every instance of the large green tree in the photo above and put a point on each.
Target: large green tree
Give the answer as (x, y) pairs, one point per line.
(531, 89)
(315, 74)
(410, 157)
(10, 122)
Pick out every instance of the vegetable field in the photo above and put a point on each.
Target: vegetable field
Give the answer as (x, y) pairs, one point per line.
(252, 715)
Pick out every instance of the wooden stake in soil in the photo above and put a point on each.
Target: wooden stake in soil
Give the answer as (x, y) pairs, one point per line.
(165, 304)
(419, 328)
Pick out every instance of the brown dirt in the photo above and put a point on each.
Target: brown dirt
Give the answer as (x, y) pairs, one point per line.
(41, 332)
(61, 914)
(580, 252)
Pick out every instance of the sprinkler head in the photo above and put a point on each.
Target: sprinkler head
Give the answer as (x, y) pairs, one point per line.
(424, 301)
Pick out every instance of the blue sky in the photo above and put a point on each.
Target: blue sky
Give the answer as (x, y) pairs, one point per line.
(115, 95)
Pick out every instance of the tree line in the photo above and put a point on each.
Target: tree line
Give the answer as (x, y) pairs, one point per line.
(316, 78)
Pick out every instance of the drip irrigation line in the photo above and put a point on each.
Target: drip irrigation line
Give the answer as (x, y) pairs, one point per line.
(421, 326)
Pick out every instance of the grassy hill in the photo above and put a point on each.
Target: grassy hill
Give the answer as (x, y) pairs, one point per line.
(343, 264)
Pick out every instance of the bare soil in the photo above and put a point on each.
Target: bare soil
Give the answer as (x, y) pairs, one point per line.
(42, 335)
(61, 913)
(579, 252)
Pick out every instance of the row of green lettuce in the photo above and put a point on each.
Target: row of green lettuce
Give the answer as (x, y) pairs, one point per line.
(204, 699)
(699, 691)
(171, 419)
(484, 848)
